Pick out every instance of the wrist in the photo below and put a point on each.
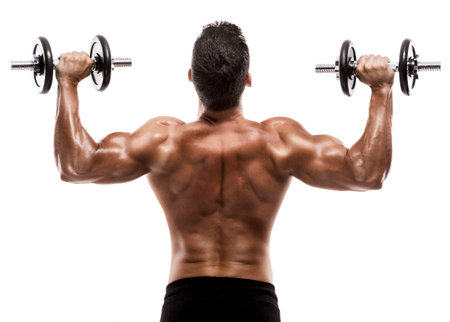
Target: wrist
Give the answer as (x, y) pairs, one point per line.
(67, 83)
(382, 89)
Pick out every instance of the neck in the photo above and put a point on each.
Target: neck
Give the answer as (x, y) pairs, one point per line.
(219, 116)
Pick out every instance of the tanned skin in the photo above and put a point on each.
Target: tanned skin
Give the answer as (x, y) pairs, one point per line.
(222, 178)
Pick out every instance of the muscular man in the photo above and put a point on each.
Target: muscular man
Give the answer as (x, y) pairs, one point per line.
(222, 178)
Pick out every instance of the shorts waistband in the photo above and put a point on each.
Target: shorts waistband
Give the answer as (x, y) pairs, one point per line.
(223, 286)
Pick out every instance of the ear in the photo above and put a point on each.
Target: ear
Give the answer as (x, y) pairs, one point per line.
(190, 75)
(249, 80)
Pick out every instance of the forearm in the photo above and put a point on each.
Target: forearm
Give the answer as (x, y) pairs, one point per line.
(73, 145)
(371, 156)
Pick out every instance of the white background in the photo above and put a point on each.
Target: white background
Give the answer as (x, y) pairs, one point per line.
(101, 253)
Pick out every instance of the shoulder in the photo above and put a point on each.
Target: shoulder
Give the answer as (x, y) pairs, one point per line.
(285, 125)
(157, 125)
(291, 142)
(281, 122)
(163, 121)
(153, 133)
(278, 120)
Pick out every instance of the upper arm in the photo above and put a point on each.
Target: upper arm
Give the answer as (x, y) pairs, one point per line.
(318, 160)
(121, 157)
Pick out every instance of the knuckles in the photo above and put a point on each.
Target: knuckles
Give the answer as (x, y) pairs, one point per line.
(75, 57)
(372, 62)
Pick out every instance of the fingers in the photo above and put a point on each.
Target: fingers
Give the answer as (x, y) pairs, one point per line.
(375, 71)
(75, 56)
(371, 62)
(74, 66)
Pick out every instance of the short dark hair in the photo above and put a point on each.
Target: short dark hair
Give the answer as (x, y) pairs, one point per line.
(220, 63)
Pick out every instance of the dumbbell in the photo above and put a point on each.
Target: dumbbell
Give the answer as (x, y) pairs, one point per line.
(408, 67)
(43, 64)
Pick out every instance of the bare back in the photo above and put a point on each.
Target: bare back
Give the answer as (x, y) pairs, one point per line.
(220, 191)
(221, 180)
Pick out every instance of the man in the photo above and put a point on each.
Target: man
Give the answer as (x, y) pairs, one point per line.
(222, 178)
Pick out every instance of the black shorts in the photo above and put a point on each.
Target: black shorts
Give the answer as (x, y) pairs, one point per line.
(220, 299)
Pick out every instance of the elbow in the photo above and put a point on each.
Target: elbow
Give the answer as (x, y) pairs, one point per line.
(69, 174)
(73, 177)
(368, 175)
(64, 177)
(66, 171)
(374, 182)
(369, 180)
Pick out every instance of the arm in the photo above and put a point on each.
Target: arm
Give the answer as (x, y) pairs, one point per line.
(324, 162)
(119, 157)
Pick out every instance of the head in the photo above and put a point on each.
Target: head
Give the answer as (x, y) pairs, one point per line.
(220, 63)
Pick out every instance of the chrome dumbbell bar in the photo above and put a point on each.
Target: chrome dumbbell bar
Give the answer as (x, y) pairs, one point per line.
(408, 67)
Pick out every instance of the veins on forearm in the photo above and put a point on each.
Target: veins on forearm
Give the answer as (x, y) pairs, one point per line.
(371, 155)
(73, 145)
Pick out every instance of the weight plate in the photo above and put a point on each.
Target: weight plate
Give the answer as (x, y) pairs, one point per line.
(43, 73)
(407, 55)
(101, 53)
(347, 71)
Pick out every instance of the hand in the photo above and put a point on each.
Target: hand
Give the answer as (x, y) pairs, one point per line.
(375, 71)
(73, 67)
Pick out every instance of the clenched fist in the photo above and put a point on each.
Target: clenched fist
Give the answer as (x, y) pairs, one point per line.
(375, 71)
(73, 67)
